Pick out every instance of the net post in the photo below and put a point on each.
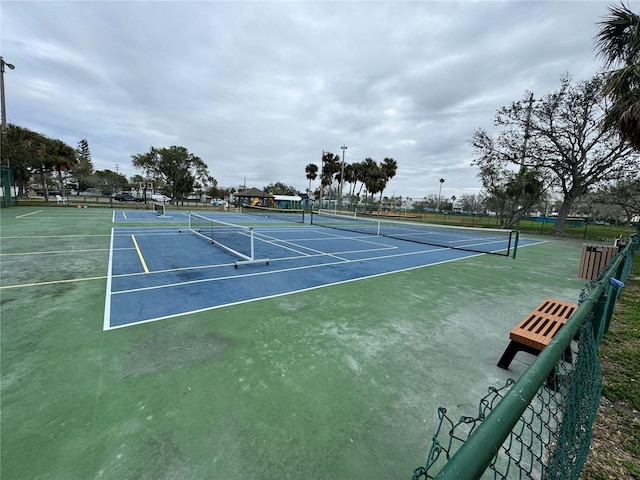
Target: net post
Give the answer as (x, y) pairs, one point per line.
(252, 250)
(515, 243)
(247, 257)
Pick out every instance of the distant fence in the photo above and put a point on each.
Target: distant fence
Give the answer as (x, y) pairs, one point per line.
(95, 201)
(538, 427)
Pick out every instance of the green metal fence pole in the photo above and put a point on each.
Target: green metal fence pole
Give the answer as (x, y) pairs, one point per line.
(599, 317)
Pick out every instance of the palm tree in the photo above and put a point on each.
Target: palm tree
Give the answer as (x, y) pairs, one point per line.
(350, 177)
(618, 43)
(389, 168)
(359, 171)
(330, 167)
(312, 173)
(64, 158)
(375, 179)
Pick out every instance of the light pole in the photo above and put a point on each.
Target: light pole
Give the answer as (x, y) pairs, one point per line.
(4, 108)
(439, 192)
(344, 147)
(321, 181)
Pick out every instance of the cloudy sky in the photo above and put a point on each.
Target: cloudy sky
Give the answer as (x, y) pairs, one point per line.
(259, 89)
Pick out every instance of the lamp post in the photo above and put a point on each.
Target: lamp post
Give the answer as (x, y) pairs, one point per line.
(439, 192)
(344, 147)
(4, 108)
(321, 180)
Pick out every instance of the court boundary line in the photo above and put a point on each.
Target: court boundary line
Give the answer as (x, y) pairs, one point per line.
(276, 242)
(107, 300)
(27, 214)
(75, 235)
(52, 282)
(304, 267)
(53, 251)
(302, 290)
(230, 264)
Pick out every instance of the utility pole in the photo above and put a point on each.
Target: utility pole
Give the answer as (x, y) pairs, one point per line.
(344, 147)
(526, 134)
(2, 101)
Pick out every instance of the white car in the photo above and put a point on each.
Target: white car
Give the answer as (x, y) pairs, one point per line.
(156, 197)
(219, 203)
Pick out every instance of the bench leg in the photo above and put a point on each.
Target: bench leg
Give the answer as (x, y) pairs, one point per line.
(509, 354)
(512, 349)
(568, 355)
(555, 378)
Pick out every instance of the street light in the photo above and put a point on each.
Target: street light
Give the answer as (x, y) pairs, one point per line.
(344, 147)
(321, 184)
(439, 192)
(4, 108)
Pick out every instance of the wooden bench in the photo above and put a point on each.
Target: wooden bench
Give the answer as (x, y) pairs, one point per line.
(536, 330)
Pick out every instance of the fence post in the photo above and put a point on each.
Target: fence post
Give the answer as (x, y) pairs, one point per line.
(598, 318)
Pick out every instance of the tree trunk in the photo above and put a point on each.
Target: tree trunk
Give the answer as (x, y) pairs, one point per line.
(44, 185)
(561, 219)
(62, 190)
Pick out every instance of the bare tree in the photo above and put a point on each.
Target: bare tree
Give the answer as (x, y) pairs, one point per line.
(566, 142)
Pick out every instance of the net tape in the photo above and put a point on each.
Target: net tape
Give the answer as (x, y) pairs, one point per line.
(480, 240)
(289, 215)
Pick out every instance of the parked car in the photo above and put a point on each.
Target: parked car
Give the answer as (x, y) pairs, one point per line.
(126, 197)
(156, 197)
(220, 203)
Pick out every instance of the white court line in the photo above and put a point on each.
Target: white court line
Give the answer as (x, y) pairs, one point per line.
(291, 269)
(54, 251)
(231, 264)
(277, 242)
(107, 300)
(27, 214)
(266, 297)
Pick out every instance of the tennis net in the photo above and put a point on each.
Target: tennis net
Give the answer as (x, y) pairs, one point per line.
(237, 240)
(285, 214)
(482, 240)
(160, 210)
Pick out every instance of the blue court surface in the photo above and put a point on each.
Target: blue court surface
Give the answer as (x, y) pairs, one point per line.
(162, 270)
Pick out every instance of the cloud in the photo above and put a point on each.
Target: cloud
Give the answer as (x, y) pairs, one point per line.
(259, 89)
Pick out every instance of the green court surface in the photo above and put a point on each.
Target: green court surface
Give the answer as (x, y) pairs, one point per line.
(341, 382)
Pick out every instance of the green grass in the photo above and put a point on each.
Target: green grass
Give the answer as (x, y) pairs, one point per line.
(592, 232)
(620, 349)
(615, 447)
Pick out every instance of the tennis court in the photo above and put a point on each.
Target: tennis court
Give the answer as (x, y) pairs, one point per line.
(330, 362)
(197, 272)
